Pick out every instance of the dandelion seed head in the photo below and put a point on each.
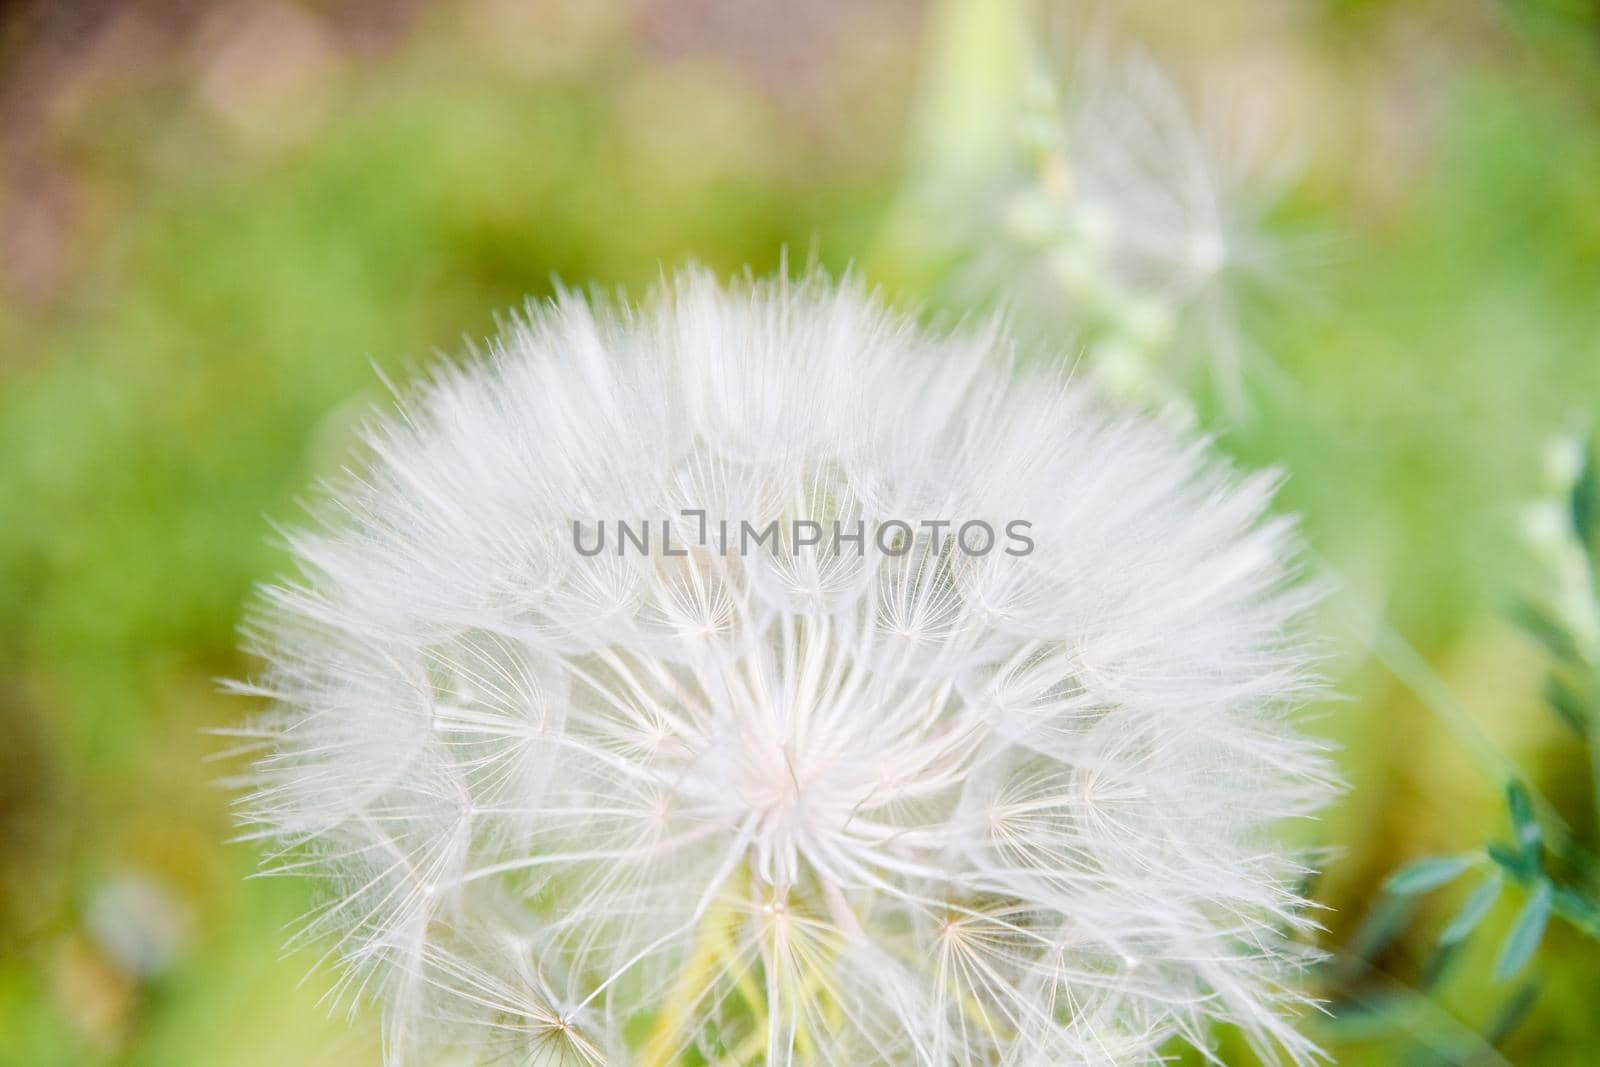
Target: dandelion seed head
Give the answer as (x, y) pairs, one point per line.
(1138, 217)
(802, 803)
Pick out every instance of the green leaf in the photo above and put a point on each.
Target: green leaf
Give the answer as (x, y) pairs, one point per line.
(1525, 935)
(1430, 872)
(1548, 631)
(1472, 912)
(1530, 836)
(1584, 503)
(1569, 704)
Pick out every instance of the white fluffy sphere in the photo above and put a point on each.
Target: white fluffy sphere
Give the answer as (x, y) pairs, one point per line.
(853, 802)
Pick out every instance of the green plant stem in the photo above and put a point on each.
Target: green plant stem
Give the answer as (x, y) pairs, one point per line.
(1391, 649)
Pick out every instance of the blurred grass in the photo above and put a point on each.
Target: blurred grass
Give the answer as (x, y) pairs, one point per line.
(204, 369)
(208, 356)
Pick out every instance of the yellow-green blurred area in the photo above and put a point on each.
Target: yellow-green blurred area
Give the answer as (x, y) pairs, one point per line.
(222, 224)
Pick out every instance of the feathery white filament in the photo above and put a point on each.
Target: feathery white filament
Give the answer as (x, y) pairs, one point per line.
(796, 804)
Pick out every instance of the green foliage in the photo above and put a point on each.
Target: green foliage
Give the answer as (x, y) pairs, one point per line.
(1526, 934)
(1430, 872)
(217, 343)
(1571, 890)
(1583, 501)
(1473, 911)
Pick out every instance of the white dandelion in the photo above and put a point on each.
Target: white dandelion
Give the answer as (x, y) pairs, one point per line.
(1140, 218)
(925, 797)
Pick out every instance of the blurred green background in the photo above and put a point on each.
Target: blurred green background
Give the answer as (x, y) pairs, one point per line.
(217, 221)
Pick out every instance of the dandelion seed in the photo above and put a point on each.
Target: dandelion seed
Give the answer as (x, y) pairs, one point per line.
(805, 803)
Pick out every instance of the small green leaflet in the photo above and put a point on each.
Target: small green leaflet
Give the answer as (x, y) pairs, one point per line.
(1430, 872)
(1525, 934)
(1472, 912)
